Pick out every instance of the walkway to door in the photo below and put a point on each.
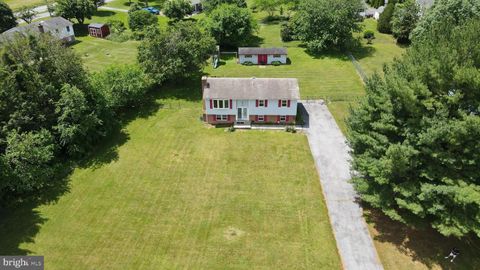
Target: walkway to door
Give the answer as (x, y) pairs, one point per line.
(330, 152)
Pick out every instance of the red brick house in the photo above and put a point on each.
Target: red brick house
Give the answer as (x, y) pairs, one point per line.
(250, 100)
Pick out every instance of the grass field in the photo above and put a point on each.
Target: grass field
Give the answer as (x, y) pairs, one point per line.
(17, 4)
(383, 49)
(171, 193)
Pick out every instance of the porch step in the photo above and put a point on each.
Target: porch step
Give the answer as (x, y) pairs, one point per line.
(242, 126)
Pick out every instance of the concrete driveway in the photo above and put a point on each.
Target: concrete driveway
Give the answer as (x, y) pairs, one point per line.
(331, 155)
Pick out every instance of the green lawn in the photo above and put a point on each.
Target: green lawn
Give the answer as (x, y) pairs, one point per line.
(330, 76)
(173, 193)
(382, 50)
(125, 4)
(17, 4)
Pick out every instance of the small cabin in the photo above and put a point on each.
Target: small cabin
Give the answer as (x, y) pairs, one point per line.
(262, 56)
(99, 30)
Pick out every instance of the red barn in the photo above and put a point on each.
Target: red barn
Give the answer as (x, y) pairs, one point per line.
(100, 30)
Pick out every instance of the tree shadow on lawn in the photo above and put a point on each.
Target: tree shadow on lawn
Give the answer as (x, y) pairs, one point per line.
(20, 220)
(81, 30)
(104, 13)
(425, 245)
(330, 54)
(363, 51)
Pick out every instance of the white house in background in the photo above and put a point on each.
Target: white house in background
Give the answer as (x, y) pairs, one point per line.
(250, 100)
(262, 56)
(56, 26)
(197, 6)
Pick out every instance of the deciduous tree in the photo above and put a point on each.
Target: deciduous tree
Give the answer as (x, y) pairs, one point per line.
(269, 6)
(75, 9)
(327, 24)
(209, 5)
(140, 19)
(230, 25)
(177, 9)
(121, 86)
(27, 14)
(180, 51)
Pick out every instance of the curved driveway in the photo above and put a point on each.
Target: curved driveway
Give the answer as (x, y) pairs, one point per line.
(331, 155)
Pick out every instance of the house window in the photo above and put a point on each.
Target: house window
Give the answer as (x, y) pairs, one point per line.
(68, 28)
(283, 118)
(277, 56)
(220, 103)
(221, 117)
(261, 103)
(248, 56)
(261, 118)
(284, 103)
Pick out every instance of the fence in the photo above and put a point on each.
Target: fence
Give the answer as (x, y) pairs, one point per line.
(357, 66)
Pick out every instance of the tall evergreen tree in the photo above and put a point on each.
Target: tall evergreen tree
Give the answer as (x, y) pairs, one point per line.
(7, 19)
(415, 137)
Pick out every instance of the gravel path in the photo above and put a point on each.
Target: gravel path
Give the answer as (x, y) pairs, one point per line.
(330, 152)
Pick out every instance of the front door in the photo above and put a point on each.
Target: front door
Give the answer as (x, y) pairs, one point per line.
(242, 114)
(262, 59)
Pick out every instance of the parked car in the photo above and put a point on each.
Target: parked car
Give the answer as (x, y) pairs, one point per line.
(152, 10)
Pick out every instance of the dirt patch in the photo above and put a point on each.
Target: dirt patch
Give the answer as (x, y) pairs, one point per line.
(232, 233)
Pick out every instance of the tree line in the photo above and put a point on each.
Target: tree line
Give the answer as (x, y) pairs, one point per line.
(415, 137)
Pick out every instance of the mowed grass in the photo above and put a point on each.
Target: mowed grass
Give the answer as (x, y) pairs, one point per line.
(383, 50)
(17, 4)
(173, 193)
(330, 76)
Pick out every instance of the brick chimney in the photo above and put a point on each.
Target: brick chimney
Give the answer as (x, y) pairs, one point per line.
(40, 27)
(205, 84)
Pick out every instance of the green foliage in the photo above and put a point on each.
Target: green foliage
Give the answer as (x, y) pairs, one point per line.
(45, 103)
(75, 9)
(116, 26)
(180, 51)
(27, 14)
(369, 34)
(269, 6)
(376, 3)
(177, 9)
(76, 121)
(117, 31)
(122, 87)
(276, 63)
(286, 32)
(139, 20)
(247, 63)
(290, 129)
(446, 12)
(209, 5)
(29, 157)
(416, 135)
(404, 20)
(230, 25)
(134, 7)
(384, 21)
(327, 24)
(7, 19)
